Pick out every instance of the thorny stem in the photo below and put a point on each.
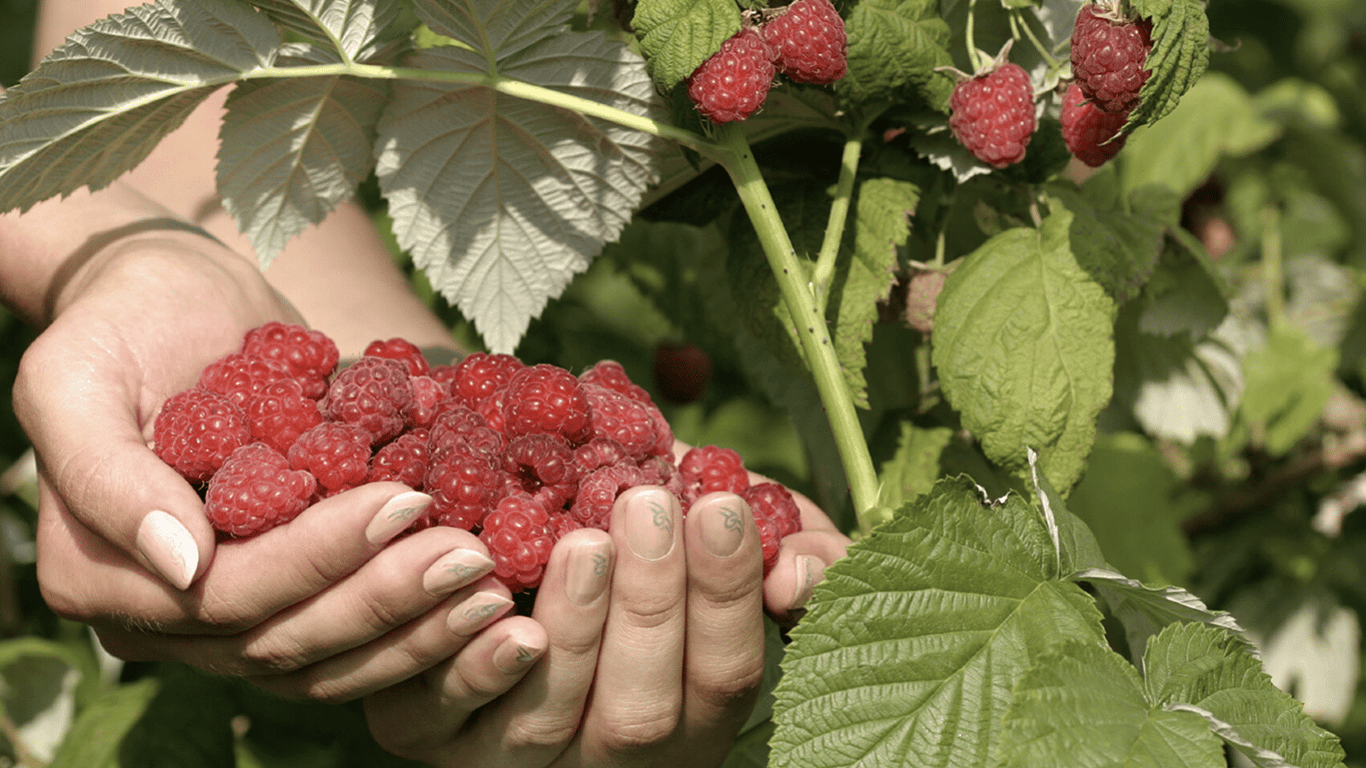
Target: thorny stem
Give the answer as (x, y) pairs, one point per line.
(810, 321)
(824, 273)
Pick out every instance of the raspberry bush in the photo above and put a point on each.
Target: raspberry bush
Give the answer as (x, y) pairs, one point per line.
(1090, 401)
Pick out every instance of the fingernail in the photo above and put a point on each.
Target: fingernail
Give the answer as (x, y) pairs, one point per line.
(514, 656)
(396, 515)
(809, 573)
(169, 548)
(723, 525)
(650, 519)
(475, 613)
(458, 568)
(590, 571)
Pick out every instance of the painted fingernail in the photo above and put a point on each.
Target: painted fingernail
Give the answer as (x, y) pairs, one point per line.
(396, 515)
(650, 520)
(169, 548)
(514, 656)
(476, 612)
(590, 571)
(458, 568)
(723, 525)
(809, 573)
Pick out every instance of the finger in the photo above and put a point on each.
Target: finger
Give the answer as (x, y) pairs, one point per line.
(401, 654)
(421, 717)
(724, 649)
(802, 560)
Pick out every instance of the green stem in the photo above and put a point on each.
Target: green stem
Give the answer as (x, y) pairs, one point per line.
(824, 273)
(1029, 32)
(810, 321)
(974, 58)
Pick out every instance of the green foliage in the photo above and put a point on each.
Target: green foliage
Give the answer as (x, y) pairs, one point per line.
(678, 35)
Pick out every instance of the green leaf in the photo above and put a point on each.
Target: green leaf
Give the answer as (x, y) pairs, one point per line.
(1073, 540)
(894, 48)
(347, 26)
(292, 149)
(1116, 247)
(1178, 58)
(1206, 670)
(188, 722)
(1144, 611)
(915, 466)
(911, 645)
(1084, 706)
(1024, 350)
(1186, 294)
(1288, 383)
(38, 680)
(501, 201)
(98, 104)
(676, 36)
(94, 739)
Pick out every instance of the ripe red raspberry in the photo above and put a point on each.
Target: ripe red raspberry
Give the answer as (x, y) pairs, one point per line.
(238, 376)
(338, 454)
(1091, 133)
(310, 355)
(430, 397)
(610, 374)
(373, 394)
(597, 453)
(993, 115)
(543, 467)
(808, 42)
(519, 537)
(545, 399)
(403, 460)
(711, 468)
(197, 430)
(403, 351)
(255, 490)
(1108, 53)
(280, 412)
(561, 523)
(733, 83)
(463, 484)
(479, 376)
(460, 426)
(618, 417)
(658, 470)
(598, 491)
(776, 514)
(491, 408)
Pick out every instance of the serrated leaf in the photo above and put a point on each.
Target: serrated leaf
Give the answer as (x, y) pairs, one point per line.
(98, 104)
(914, 467)
(1083, 706)
(894, 49)
(1024, 349)
(1144, 611)
(1076, 545)
(676, 36)
(501, 201)
(1179, 56)
(293, 149)
(1288, 383)
(1186, 294)
(495, 30)
(347, 25)
(1116, 247)
(1206, 670)
(911, 645)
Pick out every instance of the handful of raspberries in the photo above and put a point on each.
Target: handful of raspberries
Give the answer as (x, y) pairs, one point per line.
(519, 454)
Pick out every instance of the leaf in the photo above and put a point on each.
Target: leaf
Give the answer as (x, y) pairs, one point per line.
(1178, 58)
(1316, 655)
(94, 739)
(1084, 706)
(915, 466)
(911, 645)
(1116, 247)
(1023, 348)
(98, 104)
(1144, 611)
(1288, 383)
(293, 149)
(895, 47)
(38, 680)
(1186, 294)
(187, 723)
(501, 201)
(496, 31)
(1203, 669)
(346, 25)
(1075, 544)
(676, 36)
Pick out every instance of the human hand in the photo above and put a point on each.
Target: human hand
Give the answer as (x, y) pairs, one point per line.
(651, 641)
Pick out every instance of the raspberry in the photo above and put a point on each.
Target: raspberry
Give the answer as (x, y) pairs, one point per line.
(197, 430)
(238, 376)
(711, 468)
(373, 394)
(310, 355)
(430, 397)
(491, 408)
(598, 491)
(462, 484)
(561, 523)
(776, 515)
(255, 490)
(597, 453)
(993, 115)
(403, 351)
(480, 375)
(519, 537)
(610, 374)
(403, 460)
(280, 412)
(543, 467)
(1108, 53)
(618, 417)
(338, 454)
(1091, 133)
(664, 435)
(658, 470)
(733, 83)
(461, 426)
(808, 42)
(545, 399)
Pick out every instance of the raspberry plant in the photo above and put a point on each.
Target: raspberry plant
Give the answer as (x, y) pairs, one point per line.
(1018, 468)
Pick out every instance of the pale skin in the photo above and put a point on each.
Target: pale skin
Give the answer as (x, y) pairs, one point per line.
(628, 659)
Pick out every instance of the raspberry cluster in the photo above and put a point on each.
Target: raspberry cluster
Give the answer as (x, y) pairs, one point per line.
(519, 454)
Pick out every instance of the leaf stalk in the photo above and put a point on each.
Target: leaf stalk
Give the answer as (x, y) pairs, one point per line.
(824, 273)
